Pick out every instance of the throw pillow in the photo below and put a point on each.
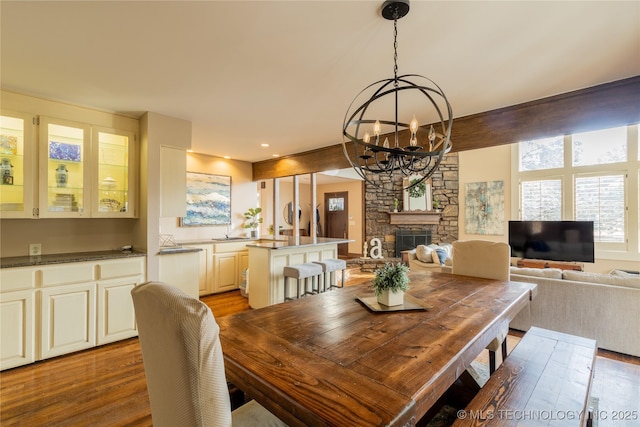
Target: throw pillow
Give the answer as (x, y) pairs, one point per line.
(439, 255)
(423, 253)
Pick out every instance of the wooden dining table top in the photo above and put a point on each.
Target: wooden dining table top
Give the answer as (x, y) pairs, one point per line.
(328, 359)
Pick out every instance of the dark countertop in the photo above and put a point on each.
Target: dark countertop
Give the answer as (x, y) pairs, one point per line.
(28, 261)
(293, 242)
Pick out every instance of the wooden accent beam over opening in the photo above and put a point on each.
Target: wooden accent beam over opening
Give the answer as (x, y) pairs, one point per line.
(598, 107)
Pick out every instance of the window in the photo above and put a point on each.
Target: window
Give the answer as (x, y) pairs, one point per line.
(601, 199)
(542, 200)
(584, 177)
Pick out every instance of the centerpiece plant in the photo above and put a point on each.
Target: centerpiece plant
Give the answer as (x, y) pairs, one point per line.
(390, 283)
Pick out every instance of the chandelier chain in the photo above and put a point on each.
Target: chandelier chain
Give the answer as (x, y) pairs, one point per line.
(395, 52)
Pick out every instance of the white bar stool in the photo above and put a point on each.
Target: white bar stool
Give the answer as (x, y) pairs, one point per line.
(299, 272)
(329, 268)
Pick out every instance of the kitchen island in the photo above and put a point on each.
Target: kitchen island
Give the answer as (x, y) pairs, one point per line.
(268, 258)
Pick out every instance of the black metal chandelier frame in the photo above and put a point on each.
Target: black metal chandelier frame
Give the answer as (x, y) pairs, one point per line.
(410, 160)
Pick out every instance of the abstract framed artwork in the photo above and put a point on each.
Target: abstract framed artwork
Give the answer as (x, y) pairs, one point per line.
(208, 200)
(484, 208)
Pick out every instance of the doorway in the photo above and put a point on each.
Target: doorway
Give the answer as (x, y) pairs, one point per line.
(336, 218)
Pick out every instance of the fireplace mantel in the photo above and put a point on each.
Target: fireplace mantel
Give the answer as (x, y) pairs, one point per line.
(414, 217)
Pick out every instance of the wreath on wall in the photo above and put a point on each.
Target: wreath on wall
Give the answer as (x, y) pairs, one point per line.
(416, 188)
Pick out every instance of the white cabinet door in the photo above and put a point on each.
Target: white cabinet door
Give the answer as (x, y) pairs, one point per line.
(205, 271)
(173, 182)
(17, 318)
(116, 317)
(68, 319)
(18, 161)
(181, 270)
(225, 272)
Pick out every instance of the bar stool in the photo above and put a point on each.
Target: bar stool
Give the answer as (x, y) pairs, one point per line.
(329, 268)
(299, 272)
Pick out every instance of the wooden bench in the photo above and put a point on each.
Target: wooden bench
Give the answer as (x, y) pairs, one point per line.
(546, 380)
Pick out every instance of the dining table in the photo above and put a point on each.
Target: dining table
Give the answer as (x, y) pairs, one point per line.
(339, 359)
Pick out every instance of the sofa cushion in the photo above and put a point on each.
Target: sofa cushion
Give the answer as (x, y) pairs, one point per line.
(550, 273)
(423, 253)
(605, 279)
(439, 255)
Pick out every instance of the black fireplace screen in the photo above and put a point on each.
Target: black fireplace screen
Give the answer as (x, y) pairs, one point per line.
(409, 239)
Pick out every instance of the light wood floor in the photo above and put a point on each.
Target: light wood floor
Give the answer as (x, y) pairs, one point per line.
(106, 386)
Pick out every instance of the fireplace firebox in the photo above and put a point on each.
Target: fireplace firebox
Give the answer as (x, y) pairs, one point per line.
(409, 239)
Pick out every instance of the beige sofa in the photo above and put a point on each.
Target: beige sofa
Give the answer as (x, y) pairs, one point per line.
(426, 258)
(604, 307)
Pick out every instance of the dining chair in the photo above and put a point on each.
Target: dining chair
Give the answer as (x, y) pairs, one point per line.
(183, 362)
(490, 260)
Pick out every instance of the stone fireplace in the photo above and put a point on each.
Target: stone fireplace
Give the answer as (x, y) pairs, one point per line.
(379, 205)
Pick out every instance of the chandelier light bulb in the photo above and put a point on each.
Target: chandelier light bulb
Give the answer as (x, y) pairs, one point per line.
(366, 138)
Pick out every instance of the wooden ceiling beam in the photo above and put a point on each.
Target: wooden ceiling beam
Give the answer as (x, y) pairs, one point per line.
(598, 107)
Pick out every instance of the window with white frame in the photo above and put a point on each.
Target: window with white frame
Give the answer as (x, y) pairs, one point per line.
(585, 177)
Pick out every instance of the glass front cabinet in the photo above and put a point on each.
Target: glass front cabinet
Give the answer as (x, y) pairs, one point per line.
(113, 177)
(17, 163)
(83, 170)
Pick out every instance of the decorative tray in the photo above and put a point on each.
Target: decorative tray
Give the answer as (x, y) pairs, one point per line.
(410, 303)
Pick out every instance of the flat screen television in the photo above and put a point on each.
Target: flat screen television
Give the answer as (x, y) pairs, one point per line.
(570, 241)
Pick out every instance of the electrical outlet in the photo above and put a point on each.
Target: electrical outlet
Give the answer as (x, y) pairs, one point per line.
(35, 249)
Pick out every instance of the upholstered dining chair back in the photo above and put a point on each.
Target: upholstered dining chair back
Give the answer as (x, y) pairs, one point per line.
(481, 258)
(182, 358)
(490, 260)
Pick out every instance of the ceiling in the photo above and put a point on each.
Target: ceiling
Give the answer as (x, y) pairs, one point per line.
(283, 73)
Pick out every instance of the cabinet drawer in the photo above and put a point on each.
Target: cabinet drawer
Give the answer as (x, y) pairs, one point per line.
(231, 246)
(14, 279)
(63, 274)
(124, 267)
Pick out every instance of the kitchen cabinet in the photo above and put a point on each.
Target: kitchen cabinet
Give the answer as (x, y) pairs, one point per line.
(113, 179)
(17, 160)
(205, 268)
(230, 259)
(68, 319)
(83, 170)
(173, 182)
(181, 269)
(54, 309)
(17, 318)
(116, 318)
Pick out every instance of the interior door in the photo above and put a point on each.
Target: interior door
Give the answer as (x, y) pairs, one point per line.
(336, 214)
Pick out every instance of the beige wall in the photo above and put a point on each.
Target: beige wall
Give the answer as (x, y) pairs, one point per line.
(494, 164)
(244, 195)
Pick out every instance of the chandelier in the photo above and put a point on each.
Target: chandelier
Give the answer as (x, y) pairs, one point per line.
(373, 118)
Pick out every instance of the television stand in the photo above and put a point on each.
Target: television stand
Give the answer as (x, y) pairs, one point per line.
(540, 263)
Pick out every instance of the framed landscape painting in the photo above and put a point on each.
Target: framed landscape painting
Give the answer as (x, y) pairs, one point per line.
(208, 200)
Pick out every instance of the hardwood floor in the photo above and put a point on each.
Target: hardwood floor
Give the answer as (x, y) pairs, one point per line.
(106, 386)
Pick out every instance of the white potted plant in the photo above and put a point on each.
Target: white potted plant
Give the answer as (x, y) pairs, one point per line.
(390, 283)
(253, 220)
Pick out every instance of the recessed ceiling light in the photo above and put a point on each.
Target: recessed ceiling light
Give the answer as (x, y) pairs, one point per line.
(226, 157)
(264, 145)
(275, 155)
(189, 151)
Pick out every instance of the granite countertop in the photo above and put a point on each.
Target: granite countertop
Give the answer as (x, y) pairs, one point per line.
(293, 242)
(215, 240)
(27, 261)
